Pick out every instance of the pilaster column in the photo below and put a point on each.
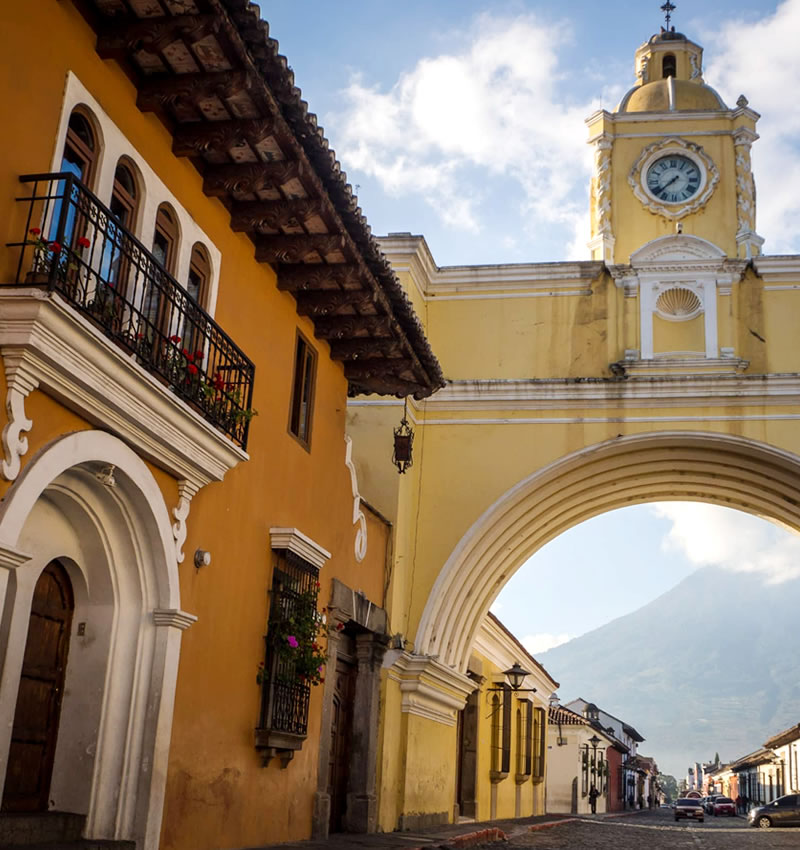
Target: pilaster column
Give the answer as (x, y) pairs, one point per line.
(362, 801)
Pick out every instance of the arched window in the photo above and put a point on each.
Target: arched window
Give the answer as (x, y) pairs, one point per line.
(80, 148)
(125, 195)
(669, 66)
(116, 266)
(199, 275)
(165, 238)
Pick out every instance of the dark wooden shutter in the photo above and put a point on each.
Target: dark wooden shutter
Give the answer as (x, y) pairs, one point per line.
(506, 765)
(528, 738)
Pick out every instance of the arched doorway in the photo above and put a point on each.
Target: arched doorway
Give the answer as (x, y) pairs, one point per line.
(41, 685)
(89, 503)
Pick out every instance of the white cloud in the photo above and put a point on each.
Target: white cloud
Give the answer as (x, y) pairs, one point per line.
(760, 60)
(544, 641)
(495, 107)
(711, 535)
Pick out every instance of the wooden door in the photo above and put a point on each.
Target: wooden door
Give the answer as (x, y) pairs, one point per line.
(341, 732)
(41, 685)
(466, 782)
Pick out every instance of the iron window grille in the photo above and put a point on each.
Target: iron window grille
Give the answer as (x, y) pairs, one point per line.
(539, 743)
(285, 696)
(77, 247)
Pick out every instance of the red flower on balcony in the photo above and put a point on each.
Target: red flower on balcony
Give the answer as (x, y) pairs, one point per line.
(55, 247)
(219, 382)
(188, 356)
(35, 231)
(198, 355)
(192, 369)
(83, 242)
(175, 338)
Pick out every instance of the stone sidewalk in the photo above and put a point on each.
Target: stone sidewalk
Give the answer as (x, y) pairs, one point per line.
(450, 837)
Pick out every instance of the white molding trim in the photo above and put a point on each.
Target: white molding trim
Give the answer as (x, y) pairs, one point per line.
(297, 542)
(173, 618)
(410, 254)
(779, 268)
(429, 688)
(646, 392)
(11, 558)
(359, 519)
(73, 362)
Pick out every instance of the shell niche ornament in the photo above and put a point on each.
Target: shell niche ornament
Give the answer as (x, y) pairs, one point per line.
(678, 303)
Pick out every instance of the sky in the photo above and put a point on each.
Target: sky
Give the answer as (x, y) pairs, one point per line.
(623, 559)
(463, 121)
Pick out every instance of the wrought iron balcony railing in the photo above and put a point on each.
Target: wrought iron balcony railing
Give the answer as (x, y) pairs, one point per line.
(75, 246)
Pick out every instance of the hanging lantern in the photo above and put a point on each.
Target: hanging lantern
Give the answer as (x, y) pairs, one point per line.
(403, 443)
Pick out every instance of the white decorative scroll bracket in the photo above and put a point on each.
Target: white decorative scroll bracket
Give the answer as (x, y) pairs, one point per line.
(358, 515)
(186, 491)
(20, 385)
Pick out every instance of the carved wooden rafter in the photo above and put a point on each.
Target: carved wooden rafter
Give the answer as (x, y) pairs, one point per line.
(352, 327)
(203, 137)
(367, 348)
(294, 248)
(164, 91)
(328, 303)
(273, 215)
(116, 40)
(384, 385)
(380, 367)
(249, 178)
(298, 278)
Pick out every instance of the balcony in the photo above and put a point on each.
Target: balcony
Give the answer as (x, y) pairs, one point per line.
(73, 246)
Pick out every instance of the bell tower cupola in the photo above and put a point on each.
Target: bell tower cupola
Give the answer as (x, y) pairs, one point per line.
(673, 157)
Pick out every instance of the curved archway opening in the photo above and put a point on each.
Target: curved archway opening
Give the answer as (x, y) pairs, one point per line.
(90, 503)
(662, 467)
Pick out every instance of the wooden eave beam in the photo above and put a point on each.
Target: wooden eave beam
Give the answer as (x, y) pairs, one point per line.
(380, 367)
(301, 277)
(204, 137)
(367, 348)
(117, 40)
(314, 304)
(295, 247)
(255, 216)
(162, 91)
(352, 327)
(249, 178)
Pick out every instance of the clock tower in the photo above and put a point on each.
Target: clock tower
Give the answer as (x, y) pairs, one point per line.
(672, 157)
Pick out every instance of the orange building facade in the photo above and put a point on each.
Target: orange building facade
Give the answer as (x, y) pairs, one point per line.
(190, 295)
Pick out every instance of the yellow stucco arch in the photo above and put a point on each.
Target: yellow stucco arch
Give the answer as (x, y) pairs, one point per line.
(673, 465)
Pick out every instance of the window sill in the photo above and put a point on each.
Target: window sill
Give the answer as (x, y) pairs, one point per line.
(497, 776)
(281, 745)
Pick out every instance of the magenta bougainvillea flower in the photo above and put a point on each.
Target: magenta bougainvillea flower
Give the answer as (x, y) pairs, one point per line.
(292, 641)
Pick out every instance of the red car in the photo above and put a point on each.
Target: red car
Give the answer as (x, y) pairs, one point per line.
(724, 806)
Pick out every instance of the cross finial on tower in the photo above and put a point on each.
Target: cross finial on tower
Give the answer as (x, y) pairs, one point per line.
(668, 8)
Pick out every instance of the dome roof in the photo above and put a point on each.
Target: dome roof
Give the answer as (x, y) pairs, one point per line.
(671, 95)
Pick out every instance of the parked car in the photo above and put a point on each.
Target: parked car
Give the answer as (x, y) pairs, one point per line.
(785, 811)
(708, 803)
(723, 806)
(689, 809)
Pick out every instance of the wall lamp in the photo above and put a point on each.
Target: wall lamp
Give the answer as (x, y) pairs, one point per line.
(516, 676)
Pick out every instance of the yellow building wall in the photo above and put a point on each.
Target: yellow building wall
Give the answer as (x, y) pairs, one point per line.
(218, 793)
(678, 336)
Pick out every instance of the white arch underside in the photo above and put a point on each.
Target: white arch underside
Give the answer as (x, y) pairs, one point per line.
(686, 466)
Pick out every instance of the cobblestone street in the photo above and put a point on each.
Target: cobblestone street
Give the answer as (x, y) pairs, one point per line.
(657, 831)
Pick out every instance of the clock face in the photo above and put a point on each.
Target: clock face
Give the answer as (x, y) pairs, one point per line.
(674, 178)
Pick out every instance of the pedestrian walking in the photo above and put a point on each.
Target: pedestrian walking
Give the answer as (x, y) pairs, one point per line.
(593, 795)
(649, 801)
(739, 804)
